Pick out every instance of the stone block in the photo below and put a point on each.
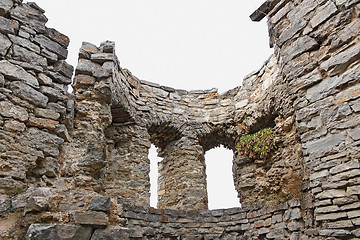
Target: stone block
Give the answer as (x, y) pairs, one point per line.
(301, 45)
(353, 214)
(100, 204)
(25, 43)
(102, 57)
(334, 233)
(58, 231)
(29, 14)
(332, 193)
(345, 166)
(59, 78)
(330, 216)
(42, 123)
(28, 93)
(338, 224)
(46, 113)
(320, 174)
(87, 49)
(13, 125)
(5, 203)
(53, 94)
(22, 54)
(36, 204)
(345, 175)
(52, 46)
(91, 218)
(44, 141)
(14, 72)
(323, 13)
(292, 214)
(111, 233)
(8, 26)
(5, 44)
(107, 46)
(345, 200)
(339, 62)
(86, 67)
(327, 209)
(325, 144)
(355, 134)
(58, 37)
(355, 205)
(295, 225)
(64, 68)
(8, 109)
(62, 132)
(5, 6)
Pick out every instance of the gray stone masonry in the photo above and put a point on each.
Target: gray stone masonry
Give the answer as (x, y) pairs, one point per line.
(75, 165)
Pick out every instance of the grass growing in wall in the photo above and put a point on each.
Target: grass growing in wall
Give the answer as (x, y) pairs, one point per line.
(258, 145)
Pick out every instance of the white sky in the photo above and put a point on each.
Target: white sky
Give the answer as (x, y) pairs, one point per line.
(184, 44)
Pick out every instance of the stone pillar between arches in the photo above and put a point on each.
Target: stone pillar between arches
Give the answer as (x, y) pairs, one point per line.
(182, 177)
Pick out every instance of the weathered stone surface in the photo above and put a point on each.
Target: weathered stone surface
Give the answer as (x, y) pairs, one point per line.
(4, 45)
(26, 92)
(5, 6)
(57, 37)
(5, 203)
(335, 233)
(53, 94)
(7, 109)
(111, 234)
(58, 231)
(42, 123)
(44, 80)
(339, 62)
(324, 144)
(345, 167)
(59, 78)
(22, 54)
(332, 193)
(64, 68)
(102, 57)
(51, 46)
(115, 117)
(330, 216)
(87, 49)
(36, 204)
(323, 13)
(62, 132)
(25, 43)
(91, 218)
(29, 15)
(43, 141)
(298, 47)
(46, 113)
(100, 204)
(8, 26)
(14, 72)
(13, 125)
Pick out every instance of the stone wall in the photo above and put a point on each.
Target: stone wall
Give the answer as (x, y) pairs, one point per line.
(76, 166)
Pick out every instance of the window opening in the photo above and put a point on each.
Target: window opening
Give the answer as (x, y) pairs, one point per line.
(219, 178)
(154, 175)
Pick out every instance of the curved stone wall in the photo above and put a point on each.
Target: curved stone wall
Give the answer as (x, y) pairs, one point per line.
(75, 166)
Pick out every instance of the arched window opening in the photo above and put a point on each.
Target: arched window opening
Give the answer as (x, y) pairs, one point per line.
(154, 175)
(220, 181)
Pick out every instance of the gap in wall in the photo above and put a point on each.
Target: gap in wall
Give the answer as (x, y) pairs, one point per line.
(219, 178)
(154, 175)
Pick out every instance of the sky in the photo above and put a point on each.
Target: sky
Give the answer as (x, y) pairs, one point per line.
(184, 44)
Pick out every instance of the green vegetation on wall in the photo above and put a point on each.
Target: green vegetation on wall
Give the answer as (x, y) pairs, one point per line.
(257, 145)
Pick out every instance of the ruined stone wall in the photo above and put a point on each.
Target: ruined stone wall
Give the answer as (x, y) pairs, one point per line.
(76, 166)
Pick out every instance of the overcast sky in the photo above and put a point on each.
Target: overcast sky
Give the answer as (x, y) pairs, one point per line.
(184, 44)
